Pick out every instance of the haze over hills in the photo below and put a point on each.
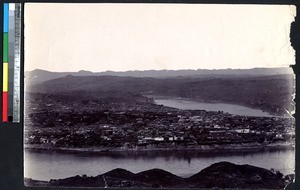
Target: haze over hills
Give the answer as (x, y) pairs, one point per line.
(272, 93)
(38, 76)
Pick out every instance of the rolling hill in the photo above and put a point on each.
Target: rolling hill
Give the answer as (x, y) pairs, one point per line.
(221, 175)
(272, 93)
(38, 76)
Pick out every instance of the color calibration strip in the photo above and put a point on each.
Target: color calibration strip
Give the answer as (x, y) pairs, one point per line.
(11, 62)
(5, 63)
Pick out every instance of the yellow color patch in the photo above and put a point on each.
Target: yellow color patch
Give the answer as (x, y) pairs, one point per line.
(5, 77)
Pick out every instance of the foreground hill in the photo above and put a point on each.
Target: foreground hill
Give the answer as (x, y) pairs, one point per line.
(222, 175)
(228, 175)
(269, 93)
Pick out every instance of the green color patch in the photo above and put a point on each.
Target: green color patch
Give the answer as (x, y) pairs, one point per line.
(5, 47)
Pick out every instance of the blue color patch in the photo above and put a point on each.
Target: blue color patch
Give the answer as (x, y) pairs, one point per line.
(5, 17)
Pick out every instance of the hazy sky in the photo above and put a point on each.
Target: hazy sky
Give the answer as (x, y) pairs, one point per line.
(120, 37)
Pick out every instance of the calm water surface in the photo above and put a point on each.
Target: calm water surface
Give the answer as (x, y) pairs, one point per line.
(228, 108)
(54, 165)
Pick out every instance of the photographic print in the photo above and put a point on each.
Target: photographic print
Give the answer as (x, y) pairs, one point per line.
(159, 96)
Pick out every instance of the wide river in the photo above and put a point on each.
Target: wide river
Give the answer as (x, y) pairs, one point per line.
(55, 165)
(227, 108)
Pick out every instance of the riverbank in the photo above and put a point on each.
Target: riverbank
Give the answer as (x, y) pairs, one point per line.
(239, 148)
(215, 106)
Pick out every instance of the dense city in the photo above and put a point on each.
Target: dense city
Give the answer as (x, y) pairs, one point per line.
(53, 123)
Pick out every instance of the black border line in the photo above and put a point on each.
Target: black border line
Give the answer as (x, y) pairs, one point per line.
(11, 134)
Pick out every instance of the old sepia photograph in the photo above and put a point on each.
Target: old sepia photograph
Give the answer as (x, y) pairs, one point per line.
(159, 96)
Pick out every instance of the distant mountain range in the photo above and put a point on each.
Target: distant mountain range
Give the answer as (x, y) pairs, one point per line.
(38, 76)
(221, 175)
(271, 93)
